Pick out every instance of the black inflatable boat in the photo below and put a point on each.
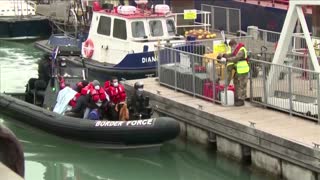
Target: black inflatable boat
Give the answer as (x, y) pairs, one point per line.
(133, 133)
(113, 134)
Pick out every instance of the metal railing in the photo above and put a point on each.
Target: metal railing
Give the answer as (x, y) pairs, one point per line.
(294, 90)
(298, 43)
(182, 24)
(225, 18)
(190, 67)
(184, 70)
(192, 70)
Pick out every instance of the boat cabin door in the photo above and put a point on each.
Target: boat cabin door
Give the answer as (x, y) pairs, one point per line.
(111, 38)
(119, 45)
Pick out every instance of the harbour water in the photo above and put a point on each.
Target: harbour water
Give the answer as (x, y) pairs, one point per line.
(49, 157)
(17, 64)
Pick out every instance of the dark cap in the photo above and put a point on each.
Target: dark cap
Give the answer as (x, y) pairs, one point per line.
(232, 42)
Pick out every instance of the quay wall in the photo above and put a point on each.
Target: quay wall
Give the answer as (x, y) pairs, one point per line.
(276, 155)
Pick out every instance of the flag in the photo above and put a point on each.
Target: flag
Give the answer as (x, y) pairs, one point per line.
(54, 53)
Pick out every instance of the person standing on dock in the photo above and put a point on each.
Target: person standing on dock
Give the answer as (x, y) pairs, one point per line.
(238, 59)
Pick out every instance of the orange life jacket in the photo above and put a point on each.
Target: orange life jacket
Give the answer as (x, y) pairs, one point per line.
(97, 95)
(117, 94)
(73, 101)
(85, 90)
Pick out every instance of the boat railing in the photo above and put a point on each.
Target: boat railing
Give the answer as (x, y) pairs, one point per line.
(202, 21)
(294, 89)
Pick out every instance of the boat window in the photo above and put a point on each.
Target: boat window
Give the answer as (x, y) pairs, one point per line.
(104, 25)
(137, 29)
(171, 27)
(119, 29)
(156, 28)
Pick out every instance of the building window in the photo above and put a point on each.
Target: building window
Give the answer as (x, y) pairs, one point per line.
(156, 28)
(171, 27)
(104, 25)
(119, 29)
(137, 29)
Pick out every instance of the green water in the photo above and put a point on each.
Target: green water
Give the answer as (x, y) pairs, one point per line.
(17, 65)
(49, 157)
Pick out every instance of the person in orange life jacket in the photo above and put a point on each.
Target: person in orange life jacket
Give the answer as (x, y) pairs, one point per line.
(116, 91)
(80, 101)
(117, 95)
(239, 60)
(80, 85)
(98, 98)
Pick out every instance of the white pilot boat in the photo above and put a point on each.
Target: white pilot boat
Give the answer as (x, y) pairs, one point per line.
(122, 39)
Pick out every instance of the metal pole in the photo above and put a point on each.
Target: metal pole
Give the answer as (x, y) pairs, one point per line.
(290, 91)
(193, 76)
(250, 81)
(264, 85)
(213, 81)
(239, 19)
(176, 22)
(159, 59)
(212, 18)
(228, 21)
(175, 68)
(318, 95)
(225, 83)
(265, 37)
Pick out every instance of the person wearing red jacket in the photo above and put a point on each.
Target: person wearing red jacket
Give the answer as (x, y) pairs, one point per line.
(117, 96)
(78, 87)
(98, 98)
(80, 101)
(116, 91)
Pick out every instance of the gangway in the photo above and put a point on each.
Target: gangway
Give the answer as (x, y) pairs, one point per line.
(295, 13)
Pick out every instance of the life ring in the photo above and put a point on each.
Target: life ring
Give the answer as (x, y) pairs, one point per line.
(88, 48)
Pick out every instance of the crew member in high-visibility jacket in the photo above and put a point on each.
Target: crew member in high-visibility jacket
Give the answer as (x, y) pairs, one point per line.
(239, 60)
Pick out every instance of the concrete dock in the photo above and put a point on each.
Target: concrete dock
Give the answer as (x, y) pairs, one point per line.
(286, 146)
(8, 174)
